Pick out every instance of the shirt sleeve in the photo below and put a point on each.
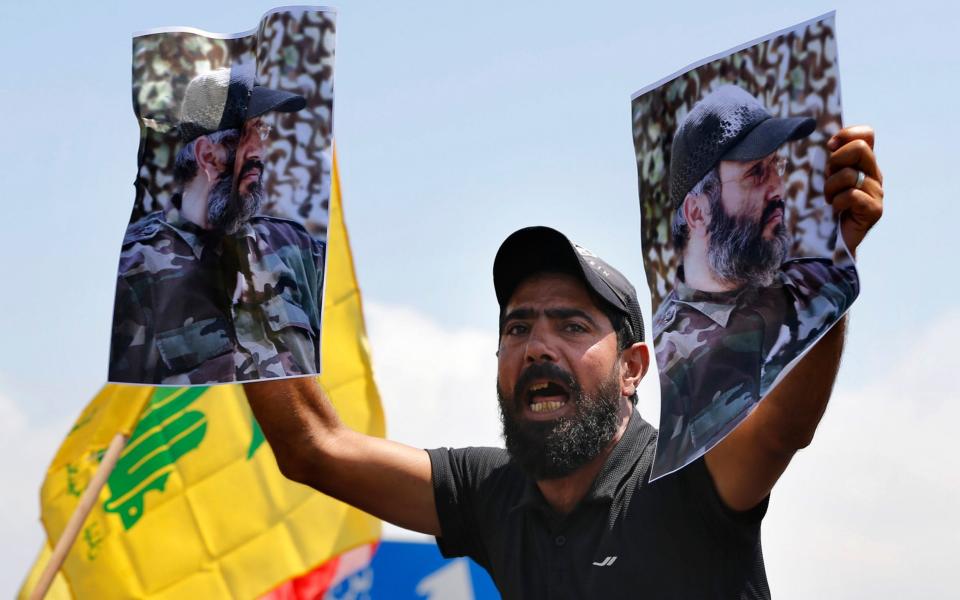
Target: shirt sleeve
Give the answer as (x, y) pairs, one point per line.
(741, 527)
(458, 478)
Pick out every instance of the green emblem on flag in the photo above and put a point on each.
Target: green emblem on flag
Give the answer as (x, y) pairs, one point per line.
(166, 431)
(256, 439)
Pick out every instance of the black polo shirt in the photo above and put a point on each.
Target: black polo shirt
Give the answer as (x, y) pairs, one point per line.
(673, 538)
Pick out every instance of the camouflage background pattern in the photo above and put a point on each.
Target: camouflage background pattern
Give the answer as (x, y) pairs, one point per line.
(293, 51)
(794, 74)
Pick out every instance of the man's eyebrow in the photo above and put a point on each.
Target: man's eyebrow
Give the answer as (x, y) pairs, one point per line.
(568, 313)
(754, 167)
(523, 313)
(520, 313)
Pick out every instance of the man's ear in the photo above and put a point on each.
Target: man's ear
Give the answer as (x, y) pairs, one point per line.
(634, 362)
(696, 211)
(211, 158)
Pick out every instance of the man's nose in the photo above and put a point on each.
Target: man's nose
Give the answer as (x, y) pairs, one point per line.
(775, 186)
(256, 148)
(539, 346)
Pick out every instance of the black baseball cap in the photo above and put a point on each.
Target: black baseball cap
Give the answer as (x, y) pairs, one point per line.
(264, 100)
(537, 249)
(726, 124)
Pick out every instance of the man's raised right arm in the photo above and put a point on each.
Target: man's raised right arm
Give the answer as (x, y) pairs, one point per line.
(312, 446)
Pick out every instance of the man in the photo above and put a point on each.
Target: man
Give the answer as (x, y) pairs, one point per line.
(213, 291)
(738, 313)
(567, 511)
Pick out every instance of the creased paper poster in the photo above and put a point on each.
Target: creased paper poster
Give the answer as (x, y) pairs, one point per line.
(221, 271)
(741, 250)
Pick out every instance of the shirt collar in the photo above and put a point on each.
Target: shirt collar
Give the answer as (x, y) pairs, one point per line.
(199, 238)
(531, 497)
(621, 460)
(191, 233)
(717, 306)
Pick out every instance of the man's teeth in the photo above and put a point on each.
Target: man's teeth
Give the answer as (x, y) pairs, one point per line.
(539, 405)
(545, 406)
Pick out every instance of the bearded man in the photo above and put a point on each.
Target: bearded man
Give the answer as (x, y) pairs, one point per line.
(212, 291)
(568, 509)
(739, 312)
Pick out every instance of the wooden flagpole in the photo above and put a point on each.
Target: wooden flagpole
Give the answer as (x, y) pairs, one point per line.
(87, 501)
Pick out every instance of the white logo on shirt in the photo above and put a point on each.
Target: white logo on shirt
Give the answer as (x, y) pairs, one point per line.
(607, 562)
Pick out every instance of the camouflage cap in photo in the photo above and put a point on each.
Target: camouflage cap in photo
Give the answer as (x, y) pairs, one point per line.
(225, 98)
(726, 124)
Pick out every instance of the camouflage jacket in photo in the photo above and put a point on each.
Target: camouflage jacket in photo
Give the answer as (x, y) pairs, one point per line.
(197, 307)
(719, 353)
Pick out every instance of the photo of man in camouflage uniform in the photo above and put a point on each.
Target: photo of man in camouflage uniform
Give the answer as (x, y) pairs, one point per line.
(739, 312)
(212, 291)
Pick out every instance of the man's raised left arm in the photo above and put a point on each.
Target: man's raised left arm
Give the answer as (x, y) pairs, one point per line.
(749, 461)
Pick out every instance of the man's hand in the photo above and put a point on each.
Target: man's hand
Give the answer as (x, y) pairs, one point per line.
(851, 153)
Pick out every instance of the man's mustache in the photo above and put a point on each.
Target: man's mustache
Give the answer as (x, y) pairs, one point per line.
(250, 165)
(545, 370)
(771, 207)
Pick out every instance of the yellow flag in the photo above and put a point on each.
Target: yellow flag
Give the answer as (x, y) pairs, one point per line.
(59, 590)
(196, 507)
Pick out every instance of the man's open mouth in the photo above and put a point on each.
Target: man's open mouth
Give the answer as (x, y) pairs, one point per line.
(547, 396)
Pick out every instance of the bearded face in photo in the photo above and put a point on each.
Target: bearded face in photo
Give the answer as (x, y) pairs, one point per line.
(229, 208)
(738, 252)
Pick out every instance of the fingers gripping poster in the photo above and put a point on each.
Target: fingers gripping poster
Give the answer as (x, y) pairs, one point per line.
(221, 271)
(745, 267)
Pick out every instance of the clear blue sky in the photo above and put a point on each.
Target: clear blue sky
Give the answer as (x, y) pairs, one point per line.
(456, 123)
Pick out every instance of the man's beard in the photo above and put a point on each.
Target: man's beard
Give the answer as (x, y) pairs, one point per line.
(227, 209)
(738, 253)
(556, 448)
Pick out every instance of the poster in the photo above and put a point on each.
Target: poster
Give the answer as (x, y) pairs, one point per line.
(222, 265)
(745, 267)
